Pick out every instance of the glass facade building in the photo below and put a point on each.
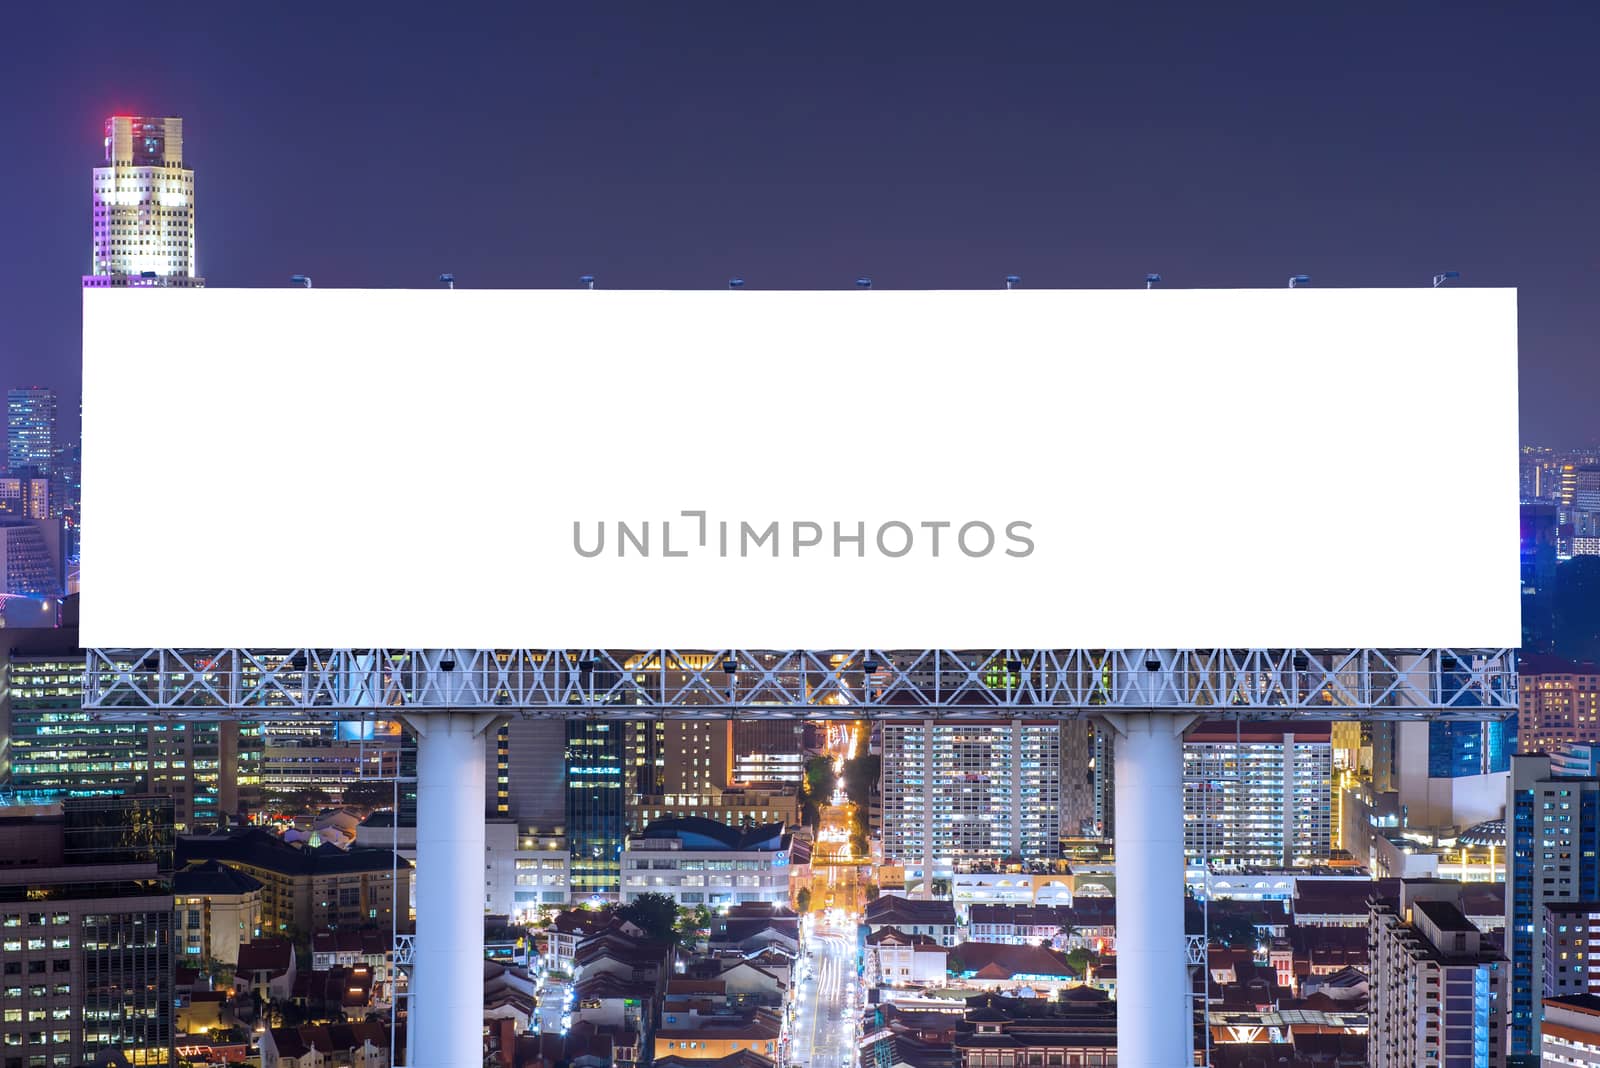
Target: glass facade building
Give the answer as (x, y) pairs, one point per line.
(30, 430)
(596, 811)
(1460, 748)
(54, 750)
(86, 933)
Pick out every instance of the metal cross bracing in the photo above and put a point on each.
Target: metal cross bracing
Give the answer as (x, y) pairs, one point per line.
(811, 684)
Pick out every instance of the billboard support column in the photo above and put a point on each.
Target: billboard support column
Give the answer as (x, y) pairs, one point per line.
(1154, 1008)
(446, 1017)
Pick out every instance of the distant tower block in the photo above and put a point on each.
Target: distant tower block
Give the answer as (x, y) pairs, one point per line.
(144, 207)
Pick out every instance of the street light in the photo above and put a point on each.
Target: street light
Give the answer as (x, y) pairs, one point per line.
(1447, 276)
(448, 280)
(301, 280)
(1013, 281)
(587, 281)
(1298, 280)
(1152, 280)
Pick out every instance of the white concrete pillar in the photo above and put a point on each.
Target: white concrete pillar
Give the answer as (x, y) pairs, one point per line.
(446, 1010)
(1154, 1006)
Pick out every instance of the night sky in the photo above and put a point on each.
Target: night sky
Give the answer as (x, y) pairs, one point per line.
(668, 145)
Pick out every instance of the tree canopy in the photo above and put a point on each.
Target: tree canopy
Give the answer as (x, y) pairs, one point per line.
(860, 776)
(368, 793)
(654, 914)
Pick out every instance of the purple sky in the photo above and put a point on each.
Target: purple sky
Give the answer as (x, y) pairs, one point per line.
(673, 145)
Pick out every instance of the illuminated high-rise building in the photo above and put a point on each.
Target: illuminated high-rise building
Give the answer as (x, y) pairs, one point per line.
(698, 755)
(526, 787)
(1559, 703)
(1438, 985)
(959, 793)
(25, 496)
(676, 758)
(644, 758)
(30, 430)
(86, 921)
(1077, 779)
(1258, 794)
(52, 750)
(1552, 845)
(596, 817)
(32, 557)
(143, 207)
(768, 751)
(297, 756)
(1540, 533)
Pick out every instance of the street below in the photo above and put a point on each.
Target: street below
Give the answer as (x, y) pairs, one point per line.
(825, 1027)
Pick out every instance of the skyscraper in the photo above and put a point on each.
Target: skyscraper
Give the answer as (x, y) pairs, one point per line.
(30, 431)
(51, 749)
(1540, 527)
(1458, 748)
(1102, 762)
(596, 815)
(1570, 929)
(31, 557)
(960, 793)
(1552, 855)
(1436, 983)
(1258, 793)
(768, 751)
(527, 787)
(698, 755)
(1077, 779)
(86, 924)
(144, 207)
(1559, 702)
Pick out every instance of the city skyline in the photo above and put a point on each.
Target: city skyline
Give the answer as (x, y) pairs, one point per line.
(1131, 849)
(1060, 146)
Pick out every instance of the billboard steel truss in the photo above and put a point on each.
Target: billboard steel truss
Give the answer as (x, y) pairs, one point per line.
(808, 684)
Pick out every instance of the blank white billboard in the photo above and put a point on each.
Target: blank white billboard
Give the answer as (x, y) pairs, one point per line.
(1028, 468)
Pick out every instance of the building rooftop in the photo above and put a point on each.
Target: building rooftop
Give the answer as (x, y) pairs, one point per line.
(735, 931)
(890, 910)
(1446, 916)
(1533, 665)
(1324, 948)
(743, 1058)
(1087, 1019)
(995, 960)
(893, 936)
(641, 954)
(1342, 897)
(1573, 908)
(756, 1026)
(1026, 915)
(583, 921)
(264, 955)
(259, 848)
(1487, 833)
(1213, 731)
(699, 833)
(213, 878)
(368, 942)
(1589, 1004)
(43, 641)
(603, 985)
